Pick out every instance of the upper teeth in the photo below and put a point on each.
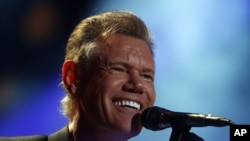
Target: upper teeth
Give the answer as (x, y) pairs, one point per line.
(128, 103)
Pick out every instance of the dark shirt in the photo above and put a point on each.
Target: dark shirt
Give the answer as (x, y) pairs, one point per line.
(61, 135)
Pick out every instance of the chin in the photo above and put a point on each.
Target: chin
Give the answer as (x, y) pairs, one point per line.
(136, 126)
(135, 132)
(131, 128)
(126, 135)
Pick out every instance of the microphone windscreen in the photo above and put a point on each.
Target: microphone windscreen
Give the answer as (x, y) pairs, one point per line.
(153, 118)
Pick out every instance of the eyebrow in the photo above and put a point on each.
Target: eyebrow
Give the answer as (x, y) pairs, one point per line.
(149, 70)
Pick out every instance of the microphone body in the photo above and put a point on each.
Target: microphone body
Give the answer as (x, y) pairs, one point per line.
(157, 118)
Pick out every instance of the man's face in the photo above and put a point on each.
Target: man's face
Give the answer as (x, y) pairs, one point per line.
(121, 85)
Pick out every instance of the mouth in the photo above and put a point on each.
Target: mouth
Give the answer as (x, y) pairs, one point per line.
(128, 103)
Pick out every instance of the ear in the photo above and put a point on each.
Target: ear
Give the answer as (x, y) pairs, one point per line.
(69, 75)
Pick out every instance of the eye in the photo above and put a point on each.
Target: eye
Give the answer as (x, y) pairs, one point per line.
(118, 69)
(148, 77)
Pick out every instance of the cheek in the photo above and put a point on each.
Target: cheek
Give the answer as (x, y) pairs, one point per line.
(151, 94)
(113, 84)
(108, 87)
(113, 80)
(152, 100)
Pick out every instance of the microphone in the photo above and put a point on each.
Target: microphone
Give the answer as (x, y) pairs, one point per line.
(157, 118)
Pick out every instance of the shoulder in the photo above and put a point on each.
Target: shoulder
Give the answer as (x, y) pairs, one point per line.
(60, 135)
(25, 138)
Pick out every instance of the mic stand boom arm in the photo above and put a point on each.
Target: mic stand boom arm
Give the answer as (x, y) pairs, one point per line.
(180, 132)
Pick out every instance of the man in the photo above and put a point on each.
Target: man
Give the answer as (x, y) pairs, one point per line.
(108, 75)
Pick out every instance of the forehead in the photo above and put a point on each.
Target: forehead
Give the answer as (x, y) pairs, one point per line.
(128, 48)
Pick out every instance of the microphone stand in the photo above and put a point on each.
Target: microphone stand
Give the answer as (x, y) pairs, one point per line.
(180, 132)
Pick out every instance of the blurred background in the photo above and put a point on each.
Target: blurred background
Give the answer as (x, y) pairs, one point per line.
(202, 53)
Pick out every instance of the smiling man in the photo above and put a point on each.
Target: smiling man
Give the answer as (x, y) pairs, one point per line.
(108, 77)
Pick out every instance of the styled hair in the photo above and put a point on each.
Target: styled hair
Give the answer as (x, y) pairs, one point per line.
(89, 35)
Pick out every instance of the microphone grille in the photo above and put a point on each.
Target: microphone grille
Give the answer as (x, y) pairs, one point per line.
(153, 118)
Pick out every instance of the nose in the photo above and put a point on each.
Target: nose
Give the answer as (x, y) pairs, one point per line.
(134, 85)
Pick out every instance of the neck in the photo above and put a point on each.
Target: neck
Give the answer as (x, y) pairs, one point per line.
(87, 131)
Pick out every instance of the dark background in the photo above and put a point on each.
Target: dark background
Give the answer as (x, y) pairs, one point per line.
(33, 38)
(202, 58)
